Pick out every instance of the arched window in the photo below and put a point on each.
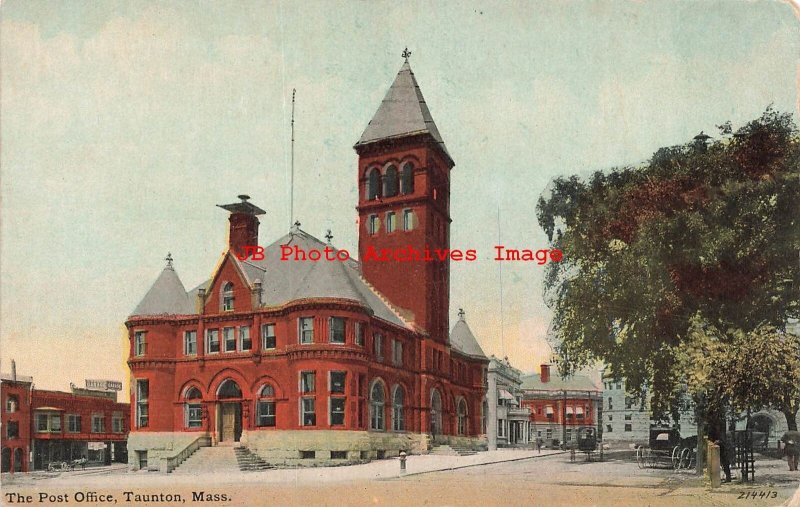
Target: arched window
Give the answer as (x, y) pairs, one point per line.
(462, 417)
(18, 460)
(6, 466)
(265, 411)
(407, 179)
(436, 413)
(227, 297)
(377, 404)
(193, 409)
(12, 403)
(229, 389)
(398, 424)
(373, 184)
(390, 182)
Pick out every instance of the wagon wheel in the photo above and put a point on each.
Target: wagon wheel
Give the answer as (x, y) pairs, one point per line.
(650, 458)
(690, 458)
(685, 460)
(640, 457)
(676, 457)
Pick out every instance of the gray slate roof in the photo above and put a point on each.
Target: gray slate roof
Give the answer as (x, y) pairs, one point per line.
(462, 340)
(167, 296)
(403, 112)
(556, 383)
(285, 281)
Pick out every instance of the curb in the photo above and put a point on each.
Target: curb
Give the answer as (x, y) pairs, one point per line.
(469, 466)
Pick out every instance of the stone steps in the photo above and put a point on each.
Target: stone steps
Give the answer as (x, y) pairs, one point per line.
(452, 450)
(249, 461)
(219, 459)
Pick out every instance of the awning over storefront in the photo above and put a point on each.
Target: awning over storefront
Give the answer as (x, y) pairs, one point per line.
(579, 410)
(51, 409)
(505, 395)
(569, 410)
(548, 409)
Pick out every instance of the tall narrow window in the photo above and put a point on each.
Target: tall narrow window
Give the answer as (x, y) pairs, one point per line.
(307, 382)
(408, 220)
(373, 184)
(398, 423)
(337, 379)
(391, 222)
(227, 297)
(98, 423)
(268, 336)
(12, 403)
(212, 341)
(244, 338)
(117, 422)
(74, 423)
(190, 343)
(390, 181)
(377, 345)
(336, 330)
(142, 394)
(193, 409)
(377, 405)
(306, 325)
(462, 417)
(229, 339)
(397, 352)
(372, 225)
(308, 414)
(139, 345)
(407, 179)
(266, 406)
(360, 334)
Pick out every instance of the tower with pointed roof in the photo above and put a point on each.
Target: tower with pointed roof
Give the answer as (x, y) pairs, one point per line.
(404, 203)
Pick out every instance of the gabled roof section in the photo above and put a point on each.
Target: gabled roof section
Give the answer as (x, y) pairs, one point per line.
(403, 112)
(462, 340)
(290, 280)
(167, 296)
(576, 382)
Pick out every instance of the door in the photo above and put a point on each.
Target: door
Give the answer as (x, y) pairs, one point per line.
(231, 423)
(228, 422)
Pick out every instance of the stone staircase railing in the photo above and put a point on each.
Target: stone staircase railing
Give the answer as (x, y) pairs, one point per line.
(169, 463)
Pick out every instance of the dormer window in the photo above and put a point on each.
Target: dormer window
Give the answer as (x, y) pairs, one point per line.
(227, 297)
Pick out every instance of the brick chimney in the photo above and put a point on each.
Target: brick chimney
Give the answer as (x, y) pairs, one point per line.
(243, 230)
(545, 368)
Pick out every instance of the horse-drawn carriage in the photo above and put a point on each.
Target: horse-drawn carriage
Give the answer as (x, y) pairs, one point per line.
(588, 443)
(666, 448)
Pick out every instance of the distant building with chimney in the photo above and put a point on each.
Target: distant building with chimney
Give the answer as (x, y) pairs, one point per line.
(559, 406)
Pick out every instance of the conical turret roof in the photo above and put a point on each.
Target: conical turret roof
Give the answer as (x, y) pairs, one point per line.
(462, 340)
(167, 296)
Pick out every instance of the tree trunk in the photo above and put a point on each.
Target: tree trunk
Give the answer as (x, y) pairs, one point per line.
(791, 418)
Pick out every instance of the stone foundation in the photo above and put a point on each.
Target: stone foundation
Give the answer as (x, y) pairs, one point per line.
(164, 450)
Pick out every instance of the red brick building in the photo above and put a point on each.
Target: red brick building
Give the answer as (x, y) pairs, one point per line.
(40, 427)
(560, 406)
(323, 360)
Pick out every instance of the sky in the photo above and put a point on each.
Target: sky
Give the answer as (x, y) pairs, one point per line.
(123, 124)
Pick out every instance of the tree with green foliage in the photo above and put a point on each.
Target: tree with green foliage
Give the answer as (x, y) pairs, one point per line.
(703, 236)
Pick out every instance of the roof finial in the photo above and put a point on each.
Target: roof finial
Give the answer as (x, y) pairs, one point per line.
(461, 313)
(406, 54)
(168, 258)
(296, 226)
(329, 236)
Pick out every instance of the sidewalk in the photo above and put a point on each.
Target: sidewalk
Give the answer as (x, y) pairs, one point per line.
(376, 470)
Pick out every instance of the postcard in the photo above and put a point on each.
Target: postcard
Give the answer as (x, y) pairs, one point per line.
(399, 253)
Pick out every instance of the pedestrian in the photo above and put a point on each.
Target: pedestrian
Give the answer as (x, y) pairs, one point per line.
(725, 456)
(791, 446)
(539, 445)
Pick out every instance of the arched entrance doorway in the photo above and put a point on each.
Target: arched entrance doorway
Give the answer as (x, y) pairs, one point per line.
(436, 413)
(229, 412)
